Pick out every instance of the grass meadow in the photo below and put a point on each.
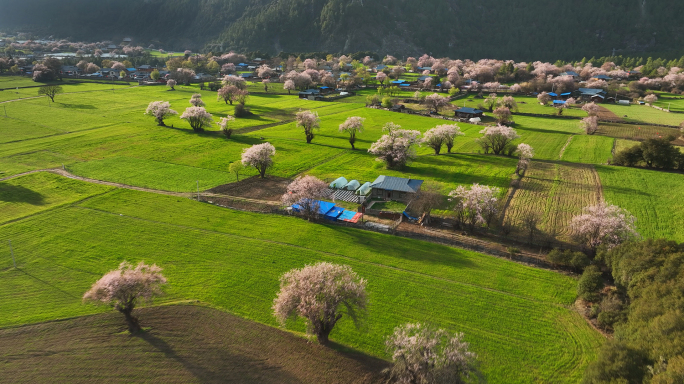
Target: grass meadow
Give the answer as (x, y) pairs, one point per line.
(67, 233)
(649, 195)
(514, 316)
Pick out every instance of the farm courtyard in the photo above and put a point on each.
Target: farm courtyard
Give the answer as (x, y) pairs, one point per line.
(88, 181)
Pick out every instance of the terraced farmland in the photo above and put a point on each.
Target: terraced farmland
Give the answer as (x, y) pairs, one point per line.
(556, 192)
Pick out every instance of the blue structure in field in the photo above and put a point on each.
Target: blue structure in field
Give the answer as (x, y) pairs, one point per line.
(332, 212)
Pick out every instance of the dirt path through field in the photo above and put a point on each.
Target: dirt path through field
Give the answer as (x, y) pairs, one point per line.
(64, 173)
(605, 114)
(66, 93)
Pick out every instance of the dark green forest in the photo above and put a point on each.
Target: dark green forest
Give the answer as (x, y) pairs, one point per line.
(517, 29)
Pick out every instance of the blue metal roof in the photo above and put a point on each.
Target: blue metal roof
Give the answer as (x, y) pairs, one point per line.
(400, 184)
(468, 110)
(566, 94)
(591, 91)
(404, 85)
(334, 213)
(553, 94)
(559, 101)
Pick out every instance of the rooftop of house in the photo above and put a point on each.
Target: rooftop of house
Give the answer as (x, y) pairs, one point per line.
(400, 184)
(591, 91)
(469, 110)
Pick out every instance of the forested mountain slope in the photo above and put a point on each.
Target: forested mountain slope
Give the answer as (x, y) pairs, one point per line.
(512, 29)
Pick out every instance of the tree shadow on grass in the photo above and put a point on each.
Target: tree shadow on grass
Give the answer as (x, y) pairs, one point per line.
(220, 366)
(18, 194)
(78, 106)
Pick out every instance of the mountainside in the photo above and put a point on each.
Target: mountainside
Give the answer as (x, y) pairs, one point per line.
(513, 29)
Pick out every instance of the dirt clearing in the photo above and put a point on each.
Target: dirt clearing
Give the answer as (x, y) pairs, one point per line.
(185, 344)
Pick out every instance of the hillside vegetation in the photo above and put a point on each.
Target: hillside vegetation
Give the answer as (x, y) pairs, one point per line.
(525, 30)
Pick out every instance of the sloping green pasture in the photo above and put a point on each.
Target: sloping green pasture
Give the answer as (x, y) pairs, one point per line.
(517, 318)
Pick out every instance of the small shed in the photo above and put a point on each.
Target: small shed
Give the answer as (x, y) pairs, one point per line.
(311, 94)
(395, 188)
(339, 183)
(468, 113)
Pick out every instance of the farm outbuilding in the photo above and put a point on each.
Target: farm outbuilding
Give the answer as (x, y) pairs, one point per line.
(395, 188)
(468, 113)
(339, 183)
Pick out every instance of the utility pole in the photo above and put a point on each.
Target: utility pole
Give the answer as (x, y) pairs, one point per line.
(12, 252)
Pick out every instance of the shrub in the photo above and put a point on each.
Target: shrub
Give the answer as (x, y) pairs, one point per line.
(387, 102)
(590, 284)
(568, 258)
(242, 111)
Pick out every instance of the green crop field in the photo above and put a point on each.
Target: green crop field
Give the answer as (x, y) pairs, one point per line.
(514, 316)
(635, 132)
(644, 114)
(589, 149)
(649, 195)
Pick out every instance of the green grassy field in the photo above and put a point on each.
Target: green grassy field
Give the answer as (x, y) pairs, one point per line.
(589, 149)
(526, 104)
(651, 196)
(644, 114)
(514, 316)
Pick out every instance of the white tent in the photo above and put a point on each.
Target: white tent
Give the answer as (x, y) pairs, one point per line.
(339, 183)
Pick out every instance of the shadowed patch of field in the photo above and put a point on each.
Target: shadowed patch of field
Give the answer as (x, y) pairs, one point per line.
(183, 344)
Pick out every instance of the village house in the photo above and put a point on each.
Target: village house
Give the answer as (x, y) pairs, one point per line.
(590, 94)
(468, 113)
(395, 188)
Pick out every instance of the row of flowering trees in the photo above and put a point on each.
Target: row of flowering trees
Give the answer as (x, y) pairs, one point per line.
(322, 294)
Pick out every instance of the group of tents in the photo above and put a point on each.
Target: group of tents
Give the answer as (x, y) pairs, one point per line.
(355, 186)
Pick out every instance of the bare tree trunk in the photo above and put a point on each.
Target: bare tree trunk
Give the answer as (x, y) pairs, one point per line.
(131, 321)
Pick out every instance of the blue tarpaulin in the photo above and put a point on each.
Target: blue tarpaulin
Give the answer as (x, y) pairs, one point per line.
(559, 101)
(334, 213)
(323, 207)
(552, 94)
(404, 85)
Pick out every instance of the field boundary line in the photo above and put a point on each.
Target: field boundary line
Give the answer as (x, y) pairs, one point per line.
(597, 182)
(562, 151)
(66, 93)
(56, 207)
(408, 271)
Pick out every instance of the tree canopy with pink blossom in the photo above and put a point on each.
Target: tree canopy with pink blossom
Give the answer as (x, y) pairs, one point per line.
(259, 156)
(124, 287)
(322, 294)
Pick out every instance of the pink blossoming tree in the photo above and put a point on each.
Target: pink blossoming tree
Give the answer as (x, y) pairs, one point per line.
(477, 206)
(423, 354)
(525, 153)
(305, 191)
(198, 117)
(397, 147)
(603, 224)
(435, 102)
(124, 287)
(289, 85)
(196, 100)
(440, 135)
(589, 124)
(224, 126)
(352, 126)
(308, 121)
(591, 109)
(160, 110)
(259, 156)
(497, 138)
(171, 83)
(322, 294)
